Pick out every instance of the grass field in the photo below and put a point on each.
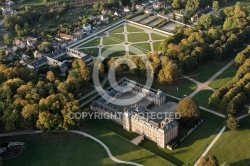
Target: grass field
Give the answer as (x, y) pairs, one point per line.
(202, 97)
(137, 37)
(187, 151)
(157, 37)
(206, 71)
(224, 77)
(133, 29)
(71, 149)
(115, 51)
(185, 87)
(91, 51)
(144, 47)
(120, 29)
(91, 43)
(113, 39)
(156, 45)
(233, 146)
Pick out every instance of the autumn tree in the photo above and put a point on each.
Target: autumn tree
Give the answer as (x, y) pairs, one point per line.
(232, 123)
(189, 111)
(169, 73)
(208, 161)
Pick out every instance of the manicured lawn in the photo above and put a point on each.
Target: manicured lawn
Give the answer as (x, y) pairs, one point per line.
(120, 29)
(133, 29)
(114, 51)
(157, 37)
(224, 77)
(156, 45)
(91, 43)
(137, 37)
(202, 97)
(91, 51)
(206, 71)
(233, 146)
(190, 149)
(72, 149)
(185, 87)
(113, 39)
(143, 47)
(187, 151)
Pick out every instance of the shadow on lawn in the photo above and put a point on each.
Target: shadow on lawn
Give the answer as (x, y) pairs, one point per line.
(245, 162)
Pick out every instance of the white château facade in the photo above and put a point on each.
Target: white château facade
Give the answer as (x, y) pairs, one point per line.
(135, 118)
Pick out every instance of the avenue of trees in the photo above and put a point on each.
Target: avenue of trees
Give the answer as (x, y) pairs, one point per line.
(189, 48)
(232, 97)
(28, 101)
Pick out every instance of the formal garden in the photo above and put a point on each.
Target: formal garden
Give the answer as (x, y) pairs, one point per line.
(127, 39)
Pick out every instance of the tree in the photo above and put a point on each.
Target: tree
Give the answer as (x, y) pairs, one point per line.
(191, 7)
(189, 111)
(232, 123)
(208, 161)
(3, 57)
(6, 39)
(44, 47)
(216, 6)
(205, 21)
(50, 77)
(176, 4)
(170, 73)
(30, 114)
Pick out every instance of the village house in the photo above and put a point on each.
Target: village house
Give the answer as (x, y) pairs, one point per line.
(126, 9)
(116, 13)
(139, 7)
(32, 42)
(148, 11)
(207, 10)
(37, 54)
(19, 43)
(6, 10)
(8, 3)
(86, 27)
(104, 18)
(66, 37)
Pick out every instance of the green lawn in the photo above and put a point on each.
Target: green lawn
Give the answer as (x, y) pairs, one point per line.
(115, 51)
(91, 43)
(133, 29)
(157, 37)
(72, 149)
(206, 71)
(233, 146)
(156, 45)
(137, 37)
(187, 151)
(120, 29)
(202, 97)
(185, 87)
(113, 39)
(91, 51)
(141, 47)
(224, 77)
